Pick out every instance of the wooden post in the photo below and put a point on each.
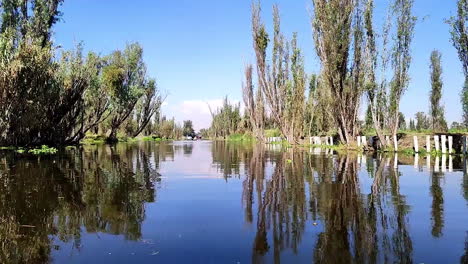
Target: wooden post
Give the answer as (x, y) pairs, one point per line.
(450, 144)
(395, 161)
(310, 140)
(416, 161)
(359, 141)
(436, 143)
(415, 142)
(364, 141)
(331, 141)
(395, 141)
(428, 143)
(443, 143)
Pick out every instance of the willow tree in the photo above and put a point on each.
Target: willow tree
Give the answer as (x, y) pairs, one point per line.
(436, 110)
(283, 80)
(148, 106)
(124, 81)
(401, 58)
(254, 105)
(40, 95)
(459, 36)
(337, 26)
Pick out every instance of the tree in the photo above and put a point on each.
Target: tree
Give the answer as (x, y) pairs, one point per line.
(376, 92)
(412, 126)
(188, 128)
(436, 110)
(334, 23)
(283, 81)
(401, 58)
(225, 120)
(459, 37)
(402, 121)
(124, 80)
(148, 106)
(422, 121)
(254, 105)
(311, 109)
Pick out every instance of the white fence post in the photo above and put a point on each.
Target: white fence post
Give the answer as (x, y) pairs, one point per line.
(359, 141)
(443, 142)
(395, 141)
(436, 143)
(450, 144)
(415, 142)
(331, 141)
(364, 141)
(428, 143)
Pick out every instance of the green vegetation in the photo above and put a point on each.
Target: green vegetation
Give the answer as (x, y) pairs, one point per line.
(459, 29)
(44, 150)
(50, 96)
(240, 138)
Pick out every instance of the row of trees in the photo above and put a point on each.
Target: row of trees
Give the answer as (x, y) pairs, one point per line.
(53, 99)
(357, 61)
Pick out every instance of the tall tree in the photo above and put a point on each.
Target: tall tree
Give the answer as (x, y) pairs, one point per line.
(459, 36)
(333, 34)
(436, 111)
(283, 81)
(148, 106)
(188, 128)
(401, 58)
(254, 104)
(376, 92)
(124, 80)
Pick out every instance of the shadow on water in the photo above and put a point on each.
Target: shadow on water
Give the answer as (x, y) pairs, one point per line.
(101, 190)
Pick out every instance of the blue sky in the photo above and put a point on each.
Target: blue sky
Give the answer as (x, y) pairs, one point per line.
(197, 49)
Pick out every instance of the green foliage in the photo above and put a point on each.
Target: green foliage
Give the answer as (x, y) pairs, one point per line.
(401, 56)
(240, 138)
(225, 120)
(436, 109)
(55, 98)
(44, 150)
(272, 133)
(188, 128)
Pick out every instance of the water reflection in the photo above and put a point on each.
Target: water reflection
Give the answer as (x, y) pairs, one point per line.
(101, 190)
(355, 227)
(301, 205)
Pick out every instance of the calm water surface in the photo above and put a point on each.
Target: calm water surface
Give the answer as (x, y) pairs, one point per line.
(213, 202)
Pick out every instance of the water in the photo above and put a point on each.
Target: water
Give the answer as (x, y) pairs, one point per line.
(204, 202)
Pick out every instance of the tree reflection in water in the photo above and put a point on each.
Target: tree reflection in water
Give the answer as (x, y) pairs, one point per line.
(357, 228)
(102, 189)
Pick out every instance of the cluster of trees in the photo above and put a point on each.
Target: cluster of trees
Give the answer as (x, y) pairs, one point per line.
(357, 60)
(50, 96)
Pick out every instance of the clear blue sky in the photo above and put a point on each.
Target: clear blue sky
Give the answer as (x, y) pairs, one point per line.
(197, 49)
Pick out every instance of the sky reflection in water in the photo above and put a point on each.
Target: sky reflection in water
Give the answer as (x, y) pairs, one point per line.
(214, 202)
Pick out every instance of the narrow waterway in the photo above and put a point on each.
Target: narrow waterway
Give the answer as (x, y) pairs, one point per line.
(215, 202)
